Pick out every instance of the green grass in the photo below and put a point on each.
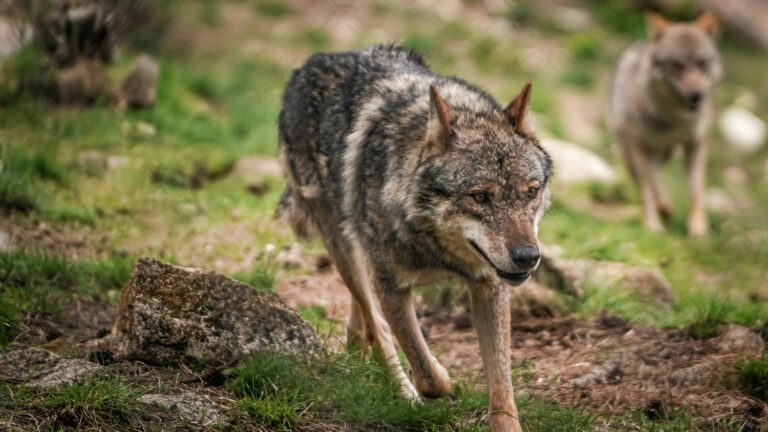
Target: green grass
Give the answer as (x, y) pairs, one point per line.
(20, 172)
(752, 377)
(215, 106)
(262, 277)
(41, 284)
(287, 392)
(273, 8)
(98, 403)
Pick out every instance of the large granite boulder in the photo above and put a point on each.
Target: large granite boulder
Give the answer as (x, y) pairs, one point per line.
(169, 314)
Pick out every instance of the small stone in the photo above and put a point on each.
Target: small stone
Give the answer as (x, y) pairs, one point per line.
(696, 374)
(146, 130)
(257, 187)
(198, 409)
(139, 88)
(738, 339)
(41, 368)
(291, 257)
(84, 83)
(609, 373)
(576, 164)
(743, 130)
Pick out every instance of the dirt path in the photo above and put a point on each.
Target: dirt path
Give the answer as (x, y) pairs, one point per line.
(604, 364)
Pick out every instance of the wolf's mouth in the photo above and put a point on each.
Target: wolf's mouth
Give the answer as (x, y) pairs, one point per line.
(512, 278)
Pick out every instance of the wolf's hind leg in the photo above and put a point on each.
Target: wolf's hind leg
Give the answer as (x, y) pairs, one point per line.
(430, 377)
(353, 268)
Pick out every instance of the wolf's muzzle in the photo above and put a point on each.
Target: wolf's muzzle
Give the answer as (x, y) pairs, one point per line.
(511, 278)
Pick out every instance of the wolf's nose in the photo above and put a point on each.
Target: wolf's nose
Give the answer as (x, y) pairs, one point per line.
(694, 98)
(526, 256)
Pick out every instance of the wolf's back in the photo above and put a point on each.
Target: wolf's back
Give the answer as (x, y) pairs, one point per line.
(321, 102)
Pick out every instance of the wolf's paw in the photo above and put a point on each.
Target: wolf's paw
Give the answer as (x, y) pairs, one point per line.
(653, 225)
(438, 385)
(409, 391)
(504, 422)
(697, 225)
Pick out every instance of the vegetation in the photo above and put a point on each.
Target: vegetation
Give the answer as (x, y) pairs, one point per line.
(165, 182)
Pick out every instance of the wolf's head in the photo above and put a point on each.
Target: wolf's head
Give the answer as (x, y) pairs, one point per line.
(685, 59)
(483, 186)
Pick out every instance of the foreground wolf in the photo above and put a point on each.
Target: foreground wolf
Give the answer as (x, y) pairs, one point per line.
(662, 98)
(411, 178)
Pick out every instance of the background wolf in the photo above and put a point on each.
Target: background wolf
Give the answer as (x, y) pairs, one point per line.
(662, 98)
(411, 177)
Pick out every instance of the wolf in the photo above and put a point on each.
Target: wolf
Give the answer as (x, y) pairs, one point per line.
(411, 178)
(662, 98)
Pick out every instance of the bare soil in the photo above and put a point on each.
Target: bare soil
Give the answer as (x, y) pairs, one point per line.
(604, 364)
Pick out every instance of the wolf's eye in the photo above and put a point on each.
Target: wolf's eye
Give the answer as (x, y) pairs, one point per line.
(533, 191)
(676, 65)
(702, 64)
(483, 198)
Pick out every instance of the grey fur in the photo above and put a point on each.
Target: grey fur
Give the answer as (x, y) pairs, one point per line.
(661, 99)
(407, 188)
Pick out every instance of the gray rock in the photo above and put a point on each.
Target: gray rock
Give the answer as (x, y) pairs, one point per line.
(573, 275)
(170, 314)
(291, 257)
(608, 373)
(576, 164)
(84, 83)
(198, 409)
(139, 88)
(744, 131)
(738, 339)
(696, 374)
(37, 367)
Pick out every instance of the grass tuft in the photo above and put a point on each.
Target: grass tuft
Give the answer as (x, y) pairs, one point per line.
(99, 403)
(285, 392)
(273, 9)
(711, 314)
(752, 376)
(39, 284)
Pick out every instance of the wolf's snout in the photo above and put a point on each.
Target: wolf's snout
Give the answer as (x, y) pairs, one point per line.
(694, 98)
(526, 256)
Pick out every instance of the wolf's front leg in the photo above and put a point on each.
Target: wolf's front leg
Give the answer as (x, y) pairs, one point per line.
(429, 376)
(696, 161)
(490, 313)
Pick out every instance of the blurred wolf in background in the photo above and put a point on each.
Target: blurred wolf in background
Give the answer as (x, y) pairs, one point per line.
(661, 99)
(411, 178)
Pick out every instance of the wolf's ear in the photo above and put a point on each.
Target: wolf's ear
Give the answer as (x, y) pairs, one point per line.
(708, 22)
(657, 25)
(517, 110)
(439, 128)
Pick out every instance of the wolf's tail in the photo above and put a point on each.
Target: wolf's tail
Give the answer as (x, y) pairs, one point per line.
(297, 218)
